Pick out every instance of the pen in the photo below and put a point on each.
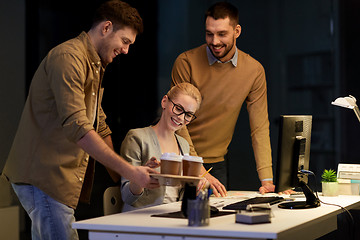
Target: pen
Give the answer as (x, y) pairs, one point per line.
(204, 185)
(206, 172)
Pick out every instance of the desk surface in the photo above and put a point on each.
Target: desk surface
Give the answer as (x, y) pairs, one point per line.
(296, 224)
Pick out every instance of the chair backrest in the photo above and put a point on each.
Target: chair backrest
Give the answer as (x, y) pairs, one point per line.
(112, 200)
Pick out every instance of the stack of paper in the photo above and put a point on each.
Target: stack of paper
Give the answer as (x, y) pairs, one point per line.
(349, 179)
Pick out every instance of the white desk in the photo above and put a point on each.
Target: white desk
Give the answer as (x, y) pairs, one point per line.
(286, 224)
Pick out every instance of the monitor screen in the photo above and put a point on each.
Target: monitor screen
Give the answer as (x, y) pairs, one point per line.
(294, 156)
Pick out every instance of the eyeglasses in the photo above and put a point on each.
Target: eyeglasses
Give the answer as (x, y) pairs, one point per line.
(178, 110)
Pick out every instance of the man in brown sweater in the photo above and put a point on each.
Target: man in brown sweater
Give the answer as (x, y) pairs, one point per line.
(226, 77)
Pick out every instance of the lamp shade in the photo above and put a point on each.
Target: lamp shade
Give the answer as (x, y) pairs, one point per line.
(348, 102)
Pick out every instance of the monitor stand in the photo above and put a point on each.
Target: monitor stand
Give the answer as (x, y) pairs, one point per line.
(311, 200)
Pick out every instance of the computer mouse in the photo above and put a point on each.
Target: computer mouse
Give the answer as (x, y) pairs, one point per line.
(213, 210)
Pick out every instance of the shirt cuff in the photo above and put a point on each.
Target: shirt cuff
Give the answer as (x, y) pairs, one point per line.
(267, 179)
(127, 196)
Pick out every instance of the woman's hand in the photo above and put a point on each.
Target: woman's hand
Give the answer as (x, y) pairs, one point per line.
(218, 188)
(153, 163)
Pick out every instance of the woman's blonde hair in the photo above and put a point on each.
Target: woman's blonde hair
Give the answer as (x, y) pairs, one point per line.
(187, 89)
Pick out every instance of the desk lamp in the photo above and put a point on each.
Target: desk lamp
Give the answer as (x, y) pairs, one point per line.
(348, 102)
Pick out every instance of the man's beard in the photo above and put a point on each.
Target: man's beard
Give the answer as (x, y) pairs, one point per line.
(227, 50)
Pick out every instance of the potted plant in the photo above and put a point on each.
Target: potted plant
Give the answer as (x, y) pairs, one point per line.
(329, 183)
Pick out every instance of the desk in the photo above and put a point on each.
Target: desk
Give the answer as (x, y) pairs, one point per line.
(286, 224)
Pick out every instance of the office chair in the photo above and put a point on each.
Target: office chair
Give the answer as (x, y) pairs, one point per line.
(112, 200)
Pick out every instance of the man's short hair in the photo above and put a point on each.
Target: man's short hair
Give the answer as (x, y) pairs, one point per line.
(223, 10)
(121, 15)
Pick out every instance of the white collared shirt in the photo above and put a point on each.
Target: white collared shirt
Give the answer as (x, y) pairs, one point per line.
(213, 59)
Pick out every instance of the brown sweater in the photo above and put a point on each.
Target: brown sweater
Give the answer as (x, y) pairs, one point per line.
(224, 88)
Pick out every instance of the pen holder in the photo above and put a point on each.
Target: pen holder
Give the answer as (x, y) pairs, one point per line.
(198, 212)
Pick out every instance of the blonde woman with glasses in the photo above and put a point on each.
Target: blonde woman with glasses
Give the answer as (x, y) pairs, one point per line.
(144, 146)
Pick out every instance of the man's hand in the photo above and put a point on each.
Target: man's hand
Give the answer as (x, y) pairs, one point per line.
(267, 187)
(142, 178)
(289, 191)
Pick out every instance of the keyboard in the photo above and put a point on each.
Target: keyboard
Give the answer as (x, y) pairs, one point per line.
(241, 205)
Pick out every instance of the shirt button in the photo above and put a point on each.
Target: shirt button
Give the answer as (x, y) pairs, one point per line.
(80, 179)
(93, 94)
(97, 71)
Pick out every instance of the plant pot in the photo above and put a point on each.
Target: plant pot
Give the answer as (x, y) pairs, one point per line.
(330, 188)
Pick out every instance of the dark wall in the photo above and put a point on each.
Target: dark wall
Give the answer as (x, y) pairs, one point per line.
(350, 45)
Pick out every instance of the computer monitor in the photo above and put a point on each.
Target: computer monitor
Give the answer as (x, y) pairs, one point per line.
(294, 157)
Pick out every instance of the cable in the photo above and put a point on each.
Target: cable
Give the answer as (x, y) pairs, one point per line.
(352, 223)
(307, 172)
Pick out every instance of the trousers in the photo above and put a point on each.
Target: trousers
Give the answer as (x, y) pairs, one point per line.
(50, 219)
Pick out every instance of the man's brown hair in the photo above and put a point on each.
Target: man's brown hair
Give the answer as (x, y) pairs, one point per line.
(121, 14)
(223, 10)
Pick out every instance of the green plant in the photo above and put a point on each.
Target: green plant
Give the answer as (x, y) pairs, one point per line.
(329, 176)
